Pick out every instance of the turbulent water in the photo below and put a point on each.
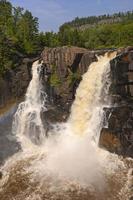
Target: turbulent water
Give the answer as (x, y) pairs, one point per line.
(27, 120)
(67, 165)
(91, 96)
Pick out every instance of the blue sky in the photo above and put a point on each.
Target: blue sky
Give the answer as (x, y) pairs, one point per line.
(53, 13)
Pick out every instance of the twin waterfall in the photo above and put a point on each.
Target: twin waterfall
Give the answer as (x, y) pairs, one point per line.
(66, 162)
(86, 112)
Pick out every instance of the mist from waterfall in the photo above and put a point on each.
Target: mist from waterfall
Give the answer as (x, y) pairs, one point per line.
(91, 96)
(76, 152)
(27, 123)
(72, 150)
(69, 160)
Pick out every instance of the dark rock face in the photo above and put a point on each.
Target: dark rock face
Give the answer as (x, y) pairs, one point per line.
(122, 75)
(14, 82)
(109, 141)
(8, 142)
(64, 67)
(61, 74)
(1, 175)
(120, 115)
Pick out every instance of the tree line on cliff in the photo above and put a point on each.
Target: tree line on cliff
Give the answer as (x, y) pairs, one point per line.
(95, 32)
(19, 33)
(102, 19)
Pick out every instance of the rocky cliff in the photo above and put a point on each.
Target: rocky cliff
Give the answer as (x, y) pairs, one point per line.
(61, 73)
(118, 136)
(64, 68)
(14, 82)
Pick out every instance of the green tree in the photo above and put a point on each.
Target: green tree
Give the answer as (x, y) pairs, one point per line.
(27, 32)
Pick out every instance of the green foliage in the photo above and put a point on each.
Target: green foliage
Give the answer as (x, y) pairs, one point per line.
(99, 36)
(27, 31)
(5, 52)
(73, 77)
(54, 79)
(49, 39)
(102, 19)
(69, 36)
(105, 31)
(19, 34)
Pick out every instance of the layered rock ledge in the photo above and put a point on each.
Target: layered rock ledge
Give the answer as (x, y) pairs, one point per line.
(120, 115)
(61, 74)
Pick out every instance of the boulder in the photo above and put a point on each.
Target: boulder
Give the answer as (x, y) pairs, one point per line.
(110, 141)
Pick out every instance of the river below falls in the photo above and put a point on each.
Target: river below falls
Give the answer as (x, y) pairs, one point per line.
(20, 183)
(66, 163)
(24, 179)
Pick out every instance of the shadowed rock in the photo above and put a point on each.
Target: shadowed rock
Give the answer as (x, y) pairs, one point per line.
(61, 74)
(1, 175)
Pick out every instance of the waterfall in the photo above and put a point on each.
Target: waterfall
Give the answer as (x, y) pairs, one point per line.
(78, 143)
(86, 112)
(69, 165)
(27, 120)
(91, 95)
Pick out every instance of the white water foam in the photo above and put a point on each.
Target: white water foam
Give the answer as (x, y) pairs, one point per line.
(27, 120)
(71, 154)
(75, 153)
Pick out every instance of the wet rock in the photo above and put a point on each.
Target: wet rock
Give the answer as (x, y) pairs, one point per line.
(120, 123)
(14, 82)
(61, 74)
(65, 66)
(110, 141)
(1, 175)
(120, 115)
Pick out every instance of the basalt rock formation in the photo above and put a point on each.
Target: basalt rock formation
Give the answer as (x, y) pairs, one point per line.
(118, 136)
(64, 68)
(61, 74)
(14, 82)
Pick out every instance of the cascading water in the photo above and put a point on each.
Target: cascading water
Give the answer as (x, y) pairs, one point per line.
(83, 127)
(90, 97)
(27, 120)
(69, 165)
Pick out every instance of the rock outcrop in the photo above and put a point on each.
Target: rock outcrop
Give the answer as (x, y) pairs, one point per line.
(61, 74)
(14, 82)
(120, 115)
(64, 67)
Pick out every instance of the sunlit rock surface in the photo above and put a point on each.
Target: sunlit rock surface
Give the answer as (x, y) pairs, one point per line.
(62, 72)
(120, 114)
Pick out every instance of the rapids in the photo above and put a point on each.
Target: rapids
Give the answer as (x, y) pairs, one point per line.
(67, 165)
